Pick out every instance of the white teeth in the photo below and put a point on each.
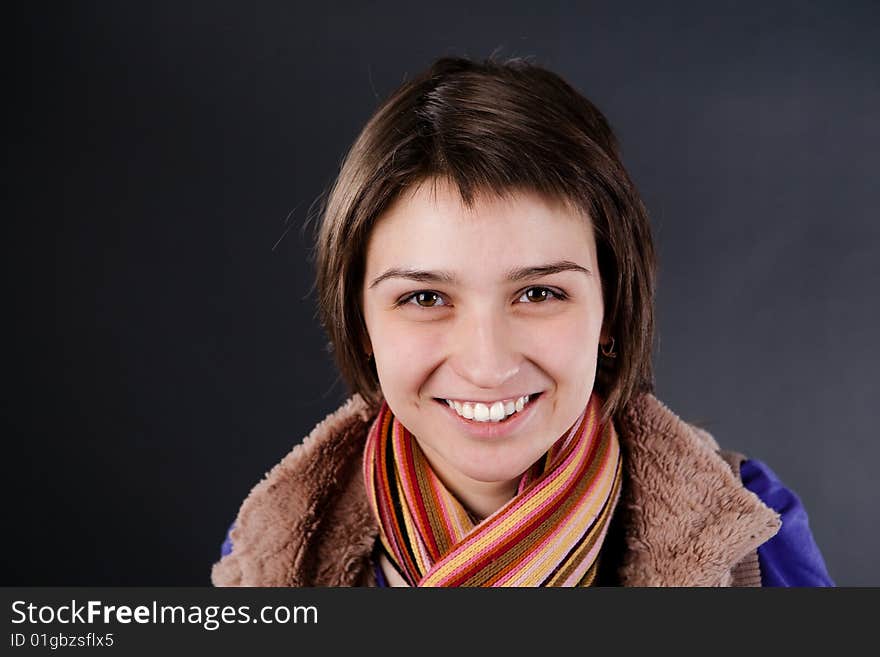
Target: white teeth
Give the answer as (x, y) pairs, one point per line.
(494, 412)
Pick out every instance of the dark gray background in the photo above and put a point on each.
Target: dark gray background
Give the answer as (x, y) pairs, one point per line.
(161, 346)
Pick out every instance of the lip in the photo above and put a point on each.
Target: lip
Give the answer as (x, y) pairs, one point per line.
(493, 430)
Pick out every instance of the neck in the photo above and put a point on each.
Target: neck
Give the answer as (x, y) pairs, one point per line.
(480, 498)
(483, 499)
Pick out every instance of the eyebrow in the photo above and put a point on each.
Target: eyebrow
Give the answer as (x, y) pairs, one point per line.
(514, 275)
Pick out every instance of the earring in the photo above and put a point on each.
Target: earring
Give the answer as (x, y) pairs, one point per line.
(609, 353)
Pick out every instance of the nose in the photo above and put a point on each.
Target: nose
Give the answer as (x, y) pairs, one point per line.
(482, 351)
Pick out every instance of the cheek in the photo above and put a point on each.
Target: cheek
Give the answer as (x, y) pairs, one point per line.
(405, 354)
(568, 335)
(567, 348)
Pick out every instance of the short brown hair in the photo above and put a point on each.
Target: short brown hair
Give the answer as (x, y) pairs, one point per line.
(491, 127)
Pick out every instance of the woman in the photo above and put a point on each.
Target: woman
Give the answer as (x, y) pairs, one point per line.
(485, 270)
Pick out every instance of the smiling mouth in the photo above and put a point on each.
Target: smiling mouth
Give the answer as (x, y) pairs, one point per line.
(495, 413)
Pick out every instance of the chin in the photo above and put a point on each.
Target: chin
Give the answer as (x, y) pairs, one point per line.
(494, 471)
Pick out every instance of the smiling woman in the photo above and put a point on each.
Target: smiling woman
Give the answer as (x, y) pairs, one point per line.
(486, 276)
(511, 277)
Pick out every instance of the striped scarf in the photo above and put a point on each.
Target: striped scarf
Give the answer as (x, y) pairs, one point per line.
(549, 534)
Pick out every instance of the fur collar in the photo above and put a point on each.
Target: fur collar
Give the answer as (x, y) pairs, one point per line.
(685, 517)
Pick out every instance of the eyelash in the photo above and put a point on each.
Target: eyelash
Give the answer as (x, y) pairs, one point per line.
(558, 295)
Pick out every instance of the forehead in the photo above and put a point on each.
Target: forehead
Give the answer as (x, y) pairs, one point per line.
(431, 227)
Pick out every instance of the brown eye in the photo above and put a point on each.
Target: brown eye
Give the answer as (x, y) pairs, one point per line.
(537, 294)
(542, 295)
(426, 299)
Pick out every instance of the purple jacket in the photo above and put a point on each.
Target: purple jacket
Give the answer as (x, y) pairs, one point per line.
(790, 558)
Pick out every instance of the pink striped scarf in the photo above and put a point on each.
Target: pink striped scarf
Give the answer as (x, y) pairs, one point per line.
(549, 534)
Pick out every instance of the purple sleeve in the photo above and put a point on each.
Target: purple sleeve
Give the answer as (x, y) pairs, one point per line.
(226, 548)
(791, 557)
(380, 576)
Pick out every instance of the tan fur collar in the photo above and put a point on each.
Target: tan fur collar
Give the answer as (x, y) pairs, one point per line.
(687, 519)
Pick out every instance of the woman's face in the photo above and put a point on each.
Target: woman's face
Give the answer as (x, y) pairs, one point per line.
(484, 306)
